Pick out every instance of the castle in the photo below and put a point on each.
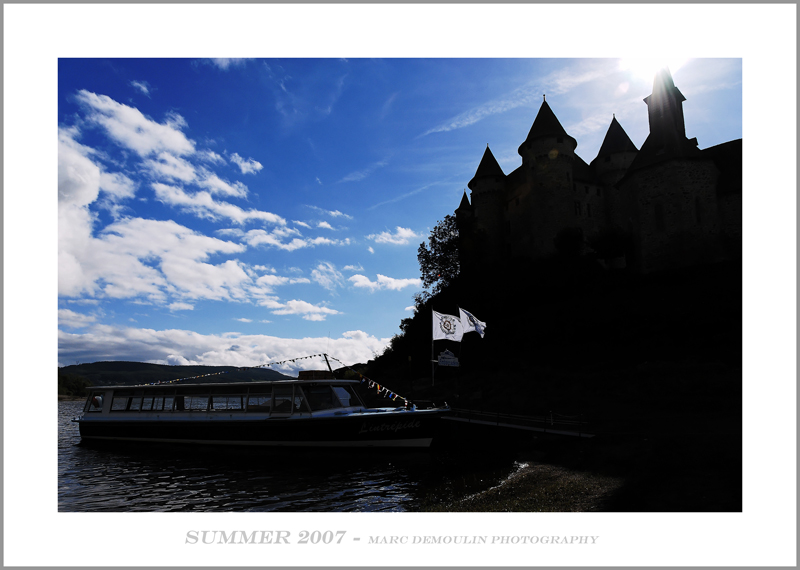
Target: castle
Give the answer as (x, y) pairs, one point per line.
(666, 205)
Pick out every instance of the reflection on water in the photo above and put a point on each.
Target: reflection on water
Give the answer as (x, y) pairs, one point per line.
(139, 477)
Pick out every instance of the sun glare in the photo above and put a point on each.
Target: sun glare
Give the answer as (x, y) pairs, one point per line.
(645, 69)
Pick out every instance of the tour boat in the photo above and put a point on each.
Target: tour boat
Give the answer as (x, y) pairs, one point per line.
(294, 412)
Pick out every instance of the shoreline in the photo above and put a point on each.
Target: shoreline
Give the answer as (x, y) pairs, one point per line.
(541, 487)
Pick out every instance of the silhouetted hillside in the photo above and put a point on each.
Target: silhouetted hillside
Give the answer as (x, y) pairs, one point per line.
(114, 373)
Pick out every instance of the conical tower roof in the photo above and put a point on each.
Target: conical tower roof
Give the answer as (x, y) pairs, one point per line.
(487, 167)
(546, 124)
(464, 205)
(616, 140)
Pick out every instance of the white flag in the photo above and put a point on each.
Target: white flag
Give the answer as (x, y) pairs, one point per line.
(470, 323)
(446, 327)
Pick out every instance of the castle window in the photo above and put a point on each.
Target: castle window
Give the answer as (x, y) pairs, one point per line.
(516, 201)
(588, 210)
(599, 192)
(577, 208)
(697, 210)
(586, 189)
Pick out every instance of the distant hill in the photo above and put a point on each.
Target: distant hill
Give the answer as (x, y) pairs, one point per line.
(115, 373)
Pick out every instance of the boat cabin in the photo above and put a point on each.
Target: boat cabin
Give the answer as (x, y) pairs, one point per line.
(273, 399)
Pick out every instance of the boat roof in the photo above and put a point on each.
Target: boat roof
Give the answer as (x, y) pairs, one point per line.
(174, 384)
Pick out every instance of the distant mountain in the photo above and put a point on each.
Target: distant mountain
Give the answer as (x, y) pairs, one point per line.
(115, 373)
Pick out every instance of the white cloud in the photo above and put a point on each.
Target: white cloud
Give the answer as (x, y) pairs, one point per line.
(216, 185)
(325, 225)
(249, 166)
(370, 249)
(131, 129)
(327, 275)
(306, 310)
(559, 82)
(142, 86)
(178, 306)
(117, 186)
(331, 213)
(277, 238)
(359, 175)
(188, 347)
(210, 156)
(401, 236)
(171, 167)
(202, 204)
(78, 176)
(244, 320)
(384, 283)
(225, 63)
(267, 283)
(74, 320)
(353, 267)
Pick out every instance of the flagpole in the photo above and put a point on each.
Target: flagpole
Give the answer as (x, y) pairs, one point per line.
(433, 368)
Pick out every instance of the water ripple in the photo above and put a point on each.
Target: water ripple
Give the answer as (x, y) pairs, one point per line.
(163, 478)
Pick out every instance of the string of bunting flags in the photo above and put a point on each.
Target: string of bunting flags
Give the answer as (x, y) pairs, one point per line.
(364, 380)
(372, 384)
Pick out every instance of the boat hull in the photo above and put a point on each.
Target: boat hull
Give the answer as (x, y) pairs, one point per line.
(399, 429)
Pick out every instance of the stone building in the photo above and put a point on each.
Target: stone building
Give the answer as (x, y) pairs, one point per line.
(666, 205)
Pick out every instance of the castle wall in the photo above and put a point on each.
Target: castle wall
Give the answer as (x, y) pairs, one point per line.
(674, 215)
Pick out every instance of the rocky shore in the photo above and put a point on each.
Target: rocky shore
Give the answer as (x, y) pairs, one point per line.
(536, 487)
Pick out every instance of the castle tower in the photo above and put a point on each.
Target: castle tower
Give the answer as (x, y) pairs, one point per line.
(667, 138)
(548, 157)
(615, 156)
(488, 205)
(669, 192)
(465, 222)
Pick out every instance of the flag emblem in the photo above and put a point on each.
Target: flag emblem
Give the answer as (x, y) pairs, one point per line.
(447, 324)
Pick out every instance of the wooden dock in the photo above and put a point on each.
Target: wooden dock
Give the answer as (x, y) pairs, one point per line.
(552, 424)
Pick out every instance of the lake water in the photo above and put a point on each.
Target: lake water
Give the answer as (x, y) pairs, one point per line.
(158, 478)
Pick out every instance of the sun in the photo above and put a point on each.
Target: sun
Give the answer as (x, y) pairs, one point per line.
(645, 69)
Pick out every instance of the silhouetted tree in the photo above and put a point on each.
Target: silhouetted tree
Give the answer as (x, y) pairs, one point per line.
(438, 262)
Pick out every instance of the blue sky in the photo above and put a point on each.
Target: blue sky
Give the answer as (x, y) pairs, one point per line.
(242, 211)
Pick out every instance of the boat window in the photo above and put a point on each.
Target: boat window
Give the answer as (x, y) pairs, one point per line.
(282, 399)
(149, 402)
(259, 402)
(136, 401)
(300, 403)
(227, 402)
(346, 396)
(321, 398)
(195, 403)
(120, 401)
(164, 404)
(95, 402)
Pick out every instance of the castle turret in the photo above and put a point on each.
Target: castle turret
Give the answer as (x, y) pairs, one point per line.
(488, 205)
(616, 154)
(669, 192)
(548, 158)
(547, 137)
(465, 222)
(667, 138)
